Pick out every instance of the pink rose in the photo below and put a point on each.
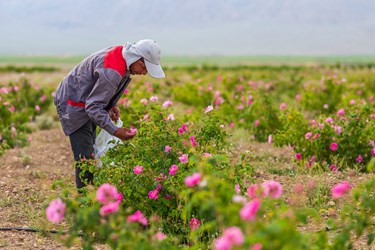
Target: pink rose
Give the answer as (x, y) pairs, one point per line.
(334, 146)
(138, 217)
(298, 156)
(55, 211)
(184, 158)
(248, 212)
(153, 194)
(167, 149)
(193, 179)
(308, 135)
(208, 109)
(194, 224)
(340, 189)
(173, 169)
(109, 208)
(138, 169)
(106, 193)
(272, 189)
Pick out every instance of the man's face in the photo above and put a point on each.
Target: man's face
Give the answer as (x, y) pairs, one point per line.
(138, 67)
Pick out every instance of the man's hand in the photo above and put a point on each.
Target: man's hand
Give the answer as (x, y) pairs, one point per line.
(124, 133)
(114, 113)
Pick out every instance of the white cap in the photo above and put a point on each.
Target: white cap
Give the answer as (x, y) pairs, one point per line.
(150, 52)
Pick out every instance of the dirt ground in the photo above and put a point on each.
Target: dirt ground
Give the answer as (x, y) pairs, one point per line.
(26, 175)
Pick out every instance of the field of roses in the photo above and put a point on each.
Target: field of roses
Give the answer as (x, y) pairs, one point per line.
(20, 104)
(184, 182)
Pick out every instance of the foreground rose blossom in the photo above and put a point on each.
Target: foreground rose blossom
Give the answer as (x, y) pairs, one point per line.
(255, 191)
(232, 236)
(138, 217)
(109, 208)
(55, 211)
(272, 189)
(193, 180)
(106, 193)
(340, 189)
(248, 212)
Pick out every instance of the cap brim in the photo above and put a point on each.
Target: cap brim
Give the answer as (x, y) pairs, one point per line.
(154, 70)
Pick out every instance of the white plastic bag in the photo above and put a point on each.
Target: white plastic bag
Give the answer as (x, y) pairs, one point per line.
(105, 141)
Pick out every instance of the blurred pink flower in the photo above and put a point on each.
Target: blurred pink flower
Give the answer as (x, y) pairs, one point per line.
(231, 125)
(167, 148)
(270, 139)
(298, 188)
(333, 167)
(329, 120)
(138, 169)
(37, 108)
(299, 156)
(160, 236)
(109, 208)
(222, 243)
(359, 158)
(237, 188)
(272, 189)
(193, 180)
(352, 102)
(256, 123)
(106, 193)
(234, 235)
(170, 117)
(12, 109)
(138, 217)
(256, 246)
(338, 129)
(248, 212)
(316, 136)
(308, 135)
(194, 224)
(193, 142)
(340, 189)
(298, 98)
(341, 112)
(167, 104)
(173, 169)
(153, 98)
(255, 191)
(42, 98)
(144, 101)
(239, 199)
(208, 109)
(119, 197)
(240, 106)
(55, 211)
(334, 146)
(133, 130)
(184, 158)
(183, 129)
(373, 152)
(325, 106)
(207, 155)
(153, 194)
(282, 106)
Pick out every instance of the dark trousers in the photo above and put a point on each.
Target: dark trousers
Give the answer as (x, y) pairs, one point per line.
(82, 142)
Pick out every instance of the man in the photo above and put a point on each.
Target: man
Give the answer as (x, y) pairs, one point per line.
(88, 94)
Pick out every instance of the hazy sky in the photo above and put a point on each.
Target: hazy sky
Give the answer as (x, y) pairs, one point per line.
(190, 27)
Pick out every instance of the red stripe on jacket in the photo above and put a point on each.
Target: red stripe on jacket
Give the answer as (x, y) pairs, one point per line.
(113, 59)
(76, 104)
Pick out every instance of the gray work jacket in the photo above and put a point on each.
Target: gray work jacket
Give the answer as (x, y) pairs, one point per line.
(90, 89)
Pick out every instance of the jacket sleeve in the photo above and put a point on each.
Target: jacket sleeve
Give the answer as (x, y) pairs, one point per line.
(104, 89)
